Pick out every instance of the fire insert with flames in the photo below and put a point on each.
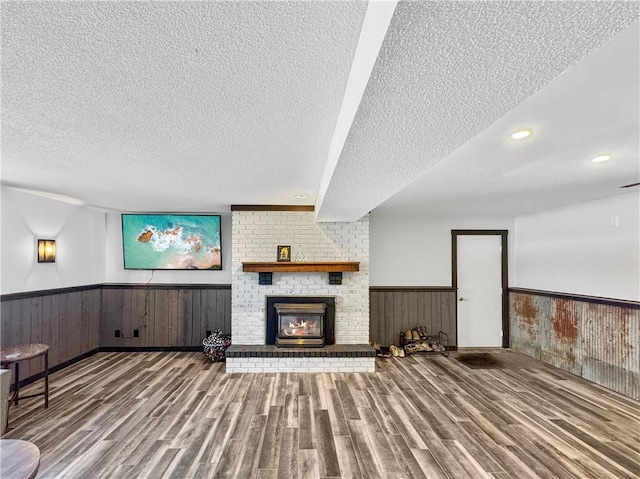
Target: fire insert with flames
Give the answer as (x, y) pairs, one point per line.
(300, 325)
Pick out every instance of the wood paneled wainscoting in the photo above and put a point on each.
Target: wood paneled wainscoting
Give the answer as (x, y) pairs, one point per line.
(594, 338)
(394, 309)
(166, 316)
(79, 321)
(68, 320)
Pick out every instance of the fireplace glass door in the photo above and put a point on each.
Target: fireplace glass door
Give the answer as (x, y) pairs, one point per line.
(300, 325)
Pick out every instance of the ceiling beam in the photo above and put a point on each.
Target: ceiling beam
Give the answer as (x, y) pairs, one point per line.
(374, 29)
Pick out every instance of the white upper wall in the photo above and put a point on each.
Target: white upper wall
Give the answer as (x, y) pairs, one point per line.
(114, 264)
(409, 250)
(573, 249)
(89, 248)
(589, 248)
(80, 241)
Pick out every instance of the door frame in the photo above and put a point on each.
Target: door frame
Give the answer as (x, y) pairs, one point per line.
(504, 268)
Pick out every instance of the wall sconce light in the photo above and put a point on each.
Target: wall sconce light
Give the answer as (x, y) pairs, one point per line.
(46, 251)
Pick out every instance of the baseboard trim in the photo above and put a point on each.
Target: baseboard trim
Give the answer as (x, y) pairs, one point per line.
(412, 289)
(48, 292)
(170, 286)
(144, 349)
(53, 369)
(623, 303)
(101, 286)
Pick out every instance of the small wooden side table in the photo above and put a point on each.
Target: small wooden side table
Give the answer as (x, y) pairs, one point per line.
(15, 354)
(18, 459)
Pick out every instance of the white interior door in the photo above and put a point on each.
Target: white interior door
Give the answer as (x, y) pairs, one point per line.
(479, 291)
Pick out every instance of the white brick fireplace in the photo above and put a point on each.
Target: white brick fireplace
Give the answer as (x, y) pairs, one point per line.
(255, 238)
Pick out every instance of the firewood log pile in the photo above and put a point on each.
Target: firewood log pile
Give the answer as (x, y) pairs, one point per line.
(216, 345)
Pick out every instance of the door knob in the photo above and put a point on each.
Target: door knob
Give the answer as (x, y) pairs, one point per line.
(463, 299)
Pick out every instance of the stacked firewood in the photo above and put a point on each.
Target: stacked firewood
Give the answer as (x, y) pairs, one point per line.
(216, 345)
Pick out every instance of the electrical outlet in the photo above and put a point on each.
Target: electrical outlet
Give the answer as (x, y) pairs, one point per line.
(117, 333)
(136, 333)
(614, 221)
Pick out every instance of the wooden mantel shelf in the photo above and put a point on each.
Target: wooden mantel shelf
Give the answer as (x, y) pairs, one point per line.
(334, 268)
(301, 267)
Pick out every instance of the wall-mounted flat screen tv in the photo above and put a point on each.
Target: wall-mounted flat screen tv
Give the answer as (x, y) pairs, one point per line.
(171, 241)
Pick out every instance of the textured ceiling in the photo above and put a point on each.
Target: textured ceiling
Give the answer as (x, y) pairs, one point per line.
(168, 106)
(448, 70)
(194, 106)
(589, 110)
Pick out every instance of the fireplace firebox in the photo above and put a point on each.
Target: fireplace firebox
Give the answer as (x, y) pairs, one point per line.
(300, 325)
(276, 329)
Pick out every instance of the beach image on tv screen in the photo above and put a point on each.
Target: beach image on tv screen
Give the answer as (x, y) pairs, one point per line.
(156, 241)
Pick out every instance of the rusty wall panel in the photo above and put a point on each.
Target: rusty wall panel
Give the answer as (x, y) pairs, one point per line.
(612, 356)
(525, 325)
(562, 333)
(599, 342)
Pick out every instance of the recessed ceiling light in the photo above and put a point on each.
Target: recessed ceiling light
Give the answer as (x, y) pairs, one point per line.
(519, 135)
(601, 158)
(301, 197)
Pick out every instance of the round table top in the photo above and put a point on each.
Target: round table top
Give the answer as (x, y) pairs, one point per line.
(18, 459)
(22, 352)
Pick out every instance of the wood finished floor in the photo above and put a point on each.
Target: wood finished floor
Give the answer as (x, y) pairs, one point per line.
(174, 415)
